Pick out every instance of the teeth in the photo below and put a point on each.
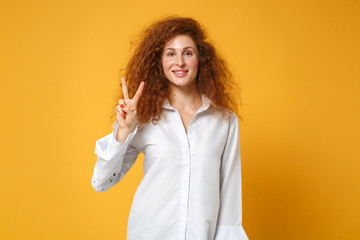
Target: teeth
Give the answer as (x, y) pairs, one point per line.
(179, 72)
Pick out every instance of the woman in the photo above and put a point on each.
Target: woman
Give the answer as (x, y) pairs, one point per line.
(178, 111)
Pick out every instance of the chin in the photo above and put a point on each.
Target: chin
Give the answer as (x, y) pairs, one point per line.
(182, 83)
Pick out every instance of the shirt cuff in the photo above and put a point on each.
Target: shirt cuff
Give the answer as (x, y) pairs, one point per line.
(107, 147)
(114, 133)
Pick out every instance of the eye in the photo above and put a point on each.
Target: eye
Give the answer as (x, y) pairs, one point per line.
(188, 54)
(170, 54)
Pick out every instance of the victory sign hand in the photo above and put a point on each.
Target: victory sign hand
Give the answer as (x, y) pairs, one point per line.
(126, 112)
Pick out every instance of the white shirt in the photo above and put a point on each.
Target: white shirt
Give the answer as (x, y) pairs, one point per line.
(191, 188)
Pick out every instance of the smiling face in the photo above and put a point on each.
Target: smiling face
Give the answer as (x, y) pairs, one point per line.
(180, 61)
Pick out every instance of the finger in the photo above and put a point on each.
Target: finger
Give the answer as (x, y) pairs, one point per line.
(138, 93)
(119, 112)
(121, 103)
(131, 104)
(124, 108)
(124, 88)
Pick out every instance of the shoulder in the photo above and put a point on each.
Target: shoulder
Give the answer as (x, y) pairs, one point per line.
(230, 119)
(233, 122)
(224, 113)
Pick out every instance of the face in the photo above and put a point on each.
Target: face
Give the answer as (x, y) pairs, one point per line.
(180, 61)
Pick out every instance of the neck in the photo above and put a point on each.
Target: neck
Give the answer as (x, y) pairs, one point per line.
(182, 98)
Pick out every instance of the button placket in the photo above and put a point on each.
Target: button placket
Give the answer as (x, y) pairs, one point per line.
(185, 177)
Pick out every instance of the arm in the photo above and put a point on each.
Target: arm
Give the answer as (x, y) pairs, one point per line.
(229, 225)
(114, 159)
(116, 152)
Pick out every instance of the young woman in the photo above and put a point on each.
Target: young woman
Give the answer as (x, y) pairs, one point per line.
(178, 110)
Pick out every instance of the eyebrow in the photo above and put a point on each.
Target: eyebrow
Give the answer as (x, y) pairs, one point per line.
(180, 48)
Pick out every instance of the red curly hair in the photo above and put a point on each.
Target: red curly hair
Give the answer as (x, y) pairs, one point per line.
(214, 78)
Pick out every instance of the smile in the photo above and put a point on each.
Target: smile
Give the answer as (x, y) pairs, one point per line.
(180, 73)
(180, 70)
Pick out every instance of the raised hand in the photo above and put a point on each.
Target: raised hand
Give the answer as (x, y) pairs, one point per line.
(126, 112)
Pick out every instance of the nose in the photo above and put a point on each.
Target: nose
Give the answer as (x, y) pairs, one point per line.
(180, 61)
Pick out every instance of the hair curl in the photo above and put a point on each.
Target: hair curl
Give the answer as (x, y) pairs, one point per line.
(214, 78)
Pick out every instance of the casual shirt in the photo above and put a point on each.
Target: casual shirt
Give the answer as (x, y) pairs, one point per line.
(191, 188)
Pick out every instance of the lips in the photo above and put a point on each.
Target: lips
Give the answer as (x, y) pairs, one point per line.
(180, 72)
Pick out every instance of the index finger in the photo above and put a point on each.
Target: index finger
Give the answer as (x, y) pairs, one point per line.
(138, 92)
(124, 88)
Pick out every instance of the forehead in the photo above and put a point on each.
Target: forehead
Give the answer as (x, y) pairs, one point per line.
(180, 41)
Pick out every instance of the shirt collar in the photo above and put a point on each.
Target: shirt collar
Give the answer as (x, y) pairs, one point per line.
(205, 104)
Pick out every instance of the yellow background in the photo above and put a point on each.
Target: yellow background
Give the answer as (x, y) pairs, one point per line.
(298, 66)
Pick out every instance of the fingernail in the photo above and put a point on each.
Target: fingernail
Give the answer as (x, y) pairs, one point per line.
(123, 115)
(122, 105)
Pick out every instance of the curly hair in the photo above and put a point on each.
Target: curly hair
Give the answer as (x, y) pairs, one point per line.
(214, 78)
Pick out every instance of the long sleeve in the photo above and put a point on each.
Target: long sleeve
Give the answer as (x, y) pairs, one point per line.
(229, 225)
(114, 159)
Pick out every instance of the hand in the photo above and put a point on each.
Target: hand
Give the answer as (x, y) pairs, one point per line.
(126, 112)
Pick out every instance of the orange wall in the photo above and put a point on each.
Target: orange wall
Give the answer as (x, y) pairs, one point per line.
(298, 65)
